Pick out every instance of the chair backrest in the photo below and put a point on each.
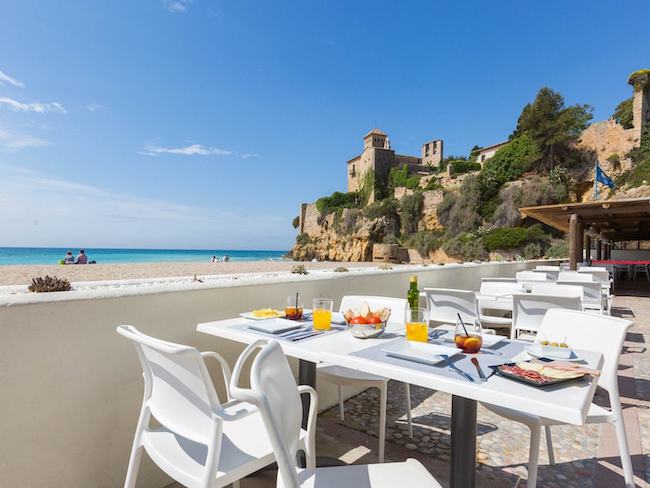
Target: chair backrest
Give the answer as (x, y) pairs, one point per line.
(584, 330)
(500, 287)
(529, 309)
(589, 269)
(551, 274)
(178, 389)
(275, 393)
(397, 306)
(592, 291)
(601, 275)
(531, 276)
(558, 290)
(498, 280)
(575, 276)
(445, 304)
(564, 266)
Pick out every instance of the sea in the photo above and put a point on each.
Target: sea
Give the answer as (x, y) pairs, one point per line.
(51, 255)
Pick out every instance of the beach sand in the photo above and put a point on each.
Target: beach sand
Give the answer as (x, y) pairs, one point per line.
(22, 274)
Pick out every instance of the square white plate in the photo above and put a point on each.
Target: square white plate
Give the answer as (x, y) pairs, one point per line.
(275, 326)
(420, 352)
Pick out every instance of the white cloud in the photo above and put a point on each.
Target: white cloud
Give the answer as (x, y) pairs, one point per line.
(12, 141)
(177, 6)
(41, 209)
(250, 155)
(96, 107)
(191, 150)
(37, 107)
(5, 78)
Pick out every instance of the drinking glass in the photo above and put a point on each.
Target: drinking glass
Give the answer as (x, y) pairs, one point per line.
(469, 336)
(417, 327)
(293, 310)
(322, 313)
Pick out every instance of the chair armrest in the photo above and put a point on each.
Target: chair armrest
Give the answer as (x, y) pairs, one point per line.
(311, 422)
(225, 369)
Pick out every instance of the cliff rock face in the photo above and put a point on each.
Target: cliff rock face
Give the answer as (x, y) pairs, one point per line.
(609, 143)
(348, 237)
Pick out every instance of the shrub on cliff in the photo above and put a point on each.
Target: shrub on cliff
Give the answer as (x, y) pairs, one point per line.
(458, 212)
(400, 177)
(508, 238)
(328, 205)
(512, 160)
(623, 114)
(295, 222)
(539, 191)
(303, 239)
(465, 248)
(557, 250)
(461, 166)
(383, 208)
(410, 212)
(640, 171)
(425, 241)
(345, 222)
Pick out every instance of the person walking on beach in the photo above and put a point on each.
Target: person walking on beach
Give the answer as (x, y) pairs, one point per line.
(69, 258)
(82, 258)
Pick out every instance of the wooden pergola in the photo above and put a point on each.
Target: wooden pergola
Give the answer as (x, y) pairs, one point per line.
(606, 222)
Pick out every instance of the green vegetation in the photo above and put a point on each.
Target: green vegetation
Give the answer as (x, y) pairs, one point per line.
(461, 166)
(508, 238)
(383, 208)
(425, 241)
(303, 239)
(557, 250)
(337, 200)
(410, 212)
(433, 185)
(299, 269)
(345, 220)
(465, 247)
(295, 222)
(640, 172)
(623, 114)
(511, 161)
(400, 177)
(49, 284)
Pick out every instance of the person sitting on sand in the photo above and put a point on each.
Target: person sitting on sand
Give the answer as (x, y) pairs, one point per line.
(226, 258)
(69, 258)
(82, 258)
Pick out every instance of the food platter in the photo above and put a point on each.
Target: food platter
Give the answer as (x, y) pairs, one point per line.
(535, 373)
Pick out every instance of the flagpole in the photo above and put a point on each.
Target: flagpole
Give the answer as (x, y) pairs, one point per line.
(596, 180)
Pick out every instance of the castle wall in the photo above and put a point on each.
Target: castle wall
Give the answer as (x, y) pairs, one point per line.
(640, 110)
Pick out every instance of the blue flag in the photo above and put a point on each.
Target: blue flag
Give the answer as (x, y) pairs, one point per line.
(601, 177)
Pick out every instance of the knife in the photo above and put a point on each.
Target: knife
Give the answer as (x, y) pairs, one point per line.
(455, 368)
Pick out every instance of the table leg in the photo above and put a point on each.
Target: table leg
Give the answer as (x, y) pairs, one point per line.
(306, 376)
(463, 442)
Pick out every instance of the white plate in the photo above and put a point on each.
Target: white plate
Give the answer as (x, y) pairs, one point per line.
(537, 352)
(250, 316)
(275, 326)
(420, 352)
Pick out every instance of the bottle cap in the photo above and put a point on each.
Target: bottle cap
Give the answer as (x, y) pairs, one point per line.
(414, 279)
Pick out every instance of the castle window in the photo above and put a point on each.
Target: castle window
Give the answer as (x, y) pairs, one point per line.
(482, 158)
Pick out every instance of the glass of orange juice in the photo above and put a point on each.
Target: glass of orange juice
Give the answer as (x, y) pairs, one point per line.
(417, 328)
(322, 313)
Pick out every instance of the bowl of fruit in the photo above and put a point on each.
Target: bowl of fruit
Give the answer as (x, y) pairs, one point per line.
(364, 323)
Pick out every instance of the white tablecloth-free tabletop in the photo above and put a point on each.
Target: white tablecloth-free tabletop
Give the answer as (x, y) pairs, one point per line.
(565, 403)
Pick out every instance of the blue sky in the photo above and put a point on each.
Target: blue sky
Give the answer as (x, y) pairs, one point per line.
(205, 123)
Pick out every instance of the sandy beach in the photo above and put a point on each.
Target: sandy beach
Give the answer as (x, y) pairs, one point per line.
(23, 273)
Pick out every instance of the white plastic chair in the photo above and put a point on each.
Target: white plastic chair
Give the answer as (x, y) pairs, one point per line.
(201, 443)
(589, 332)
(497, 296)
(273, 390)
(528, 310)
(593, 296)
(558, 290)
(525, 276)
(551, 274)
(575, 276)
(341, 376)
(445, 304)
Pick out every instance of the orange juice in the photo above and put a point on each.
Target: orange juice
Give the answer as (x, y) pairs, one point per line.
(417, 331)
(322, 319)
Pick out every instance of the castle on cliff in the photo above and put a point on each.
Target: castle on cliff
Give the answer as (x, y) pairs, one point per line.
(378, 157)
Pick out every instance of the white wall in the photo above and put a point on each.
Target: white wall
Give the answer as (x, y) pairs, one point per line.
(71, 387)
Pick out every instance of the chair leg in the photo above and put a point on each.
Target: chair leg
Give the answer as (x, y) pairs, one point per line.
(383, 398)
(409, 419)
(341, 409)
(549, 444)
(136, 450)
(533, 455)
(624, 451)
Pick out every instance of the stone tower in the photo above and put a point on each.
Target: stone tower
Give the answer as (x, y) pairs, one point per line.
(376, 138)
(640, 80)
(432, 152)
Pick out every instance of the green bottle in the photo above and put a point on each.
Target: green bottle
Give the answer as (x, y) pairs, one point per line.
(413, 295)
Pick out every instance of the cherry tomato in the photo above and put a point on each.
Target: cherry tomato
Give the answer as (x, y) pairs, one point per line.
(373, 319)
(359, 320)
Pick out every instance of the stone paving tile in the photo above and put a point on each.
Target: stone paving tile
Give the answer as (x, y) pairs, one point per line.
(502, 447)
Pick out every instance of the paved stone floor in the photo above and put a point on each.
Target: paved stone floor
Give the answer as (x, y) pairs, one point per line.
(585, 456)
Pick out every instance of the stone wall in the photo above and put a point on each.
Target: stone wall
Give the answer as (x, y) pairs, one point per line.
(429, 219)
(608, 138)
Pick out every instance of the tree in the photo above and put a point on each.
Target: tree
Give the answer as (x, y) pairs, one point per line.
(554, 127)
(623, 114)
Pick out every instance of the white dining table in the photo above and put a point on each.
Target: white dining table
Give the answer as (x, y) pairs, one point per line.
(568, 403)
